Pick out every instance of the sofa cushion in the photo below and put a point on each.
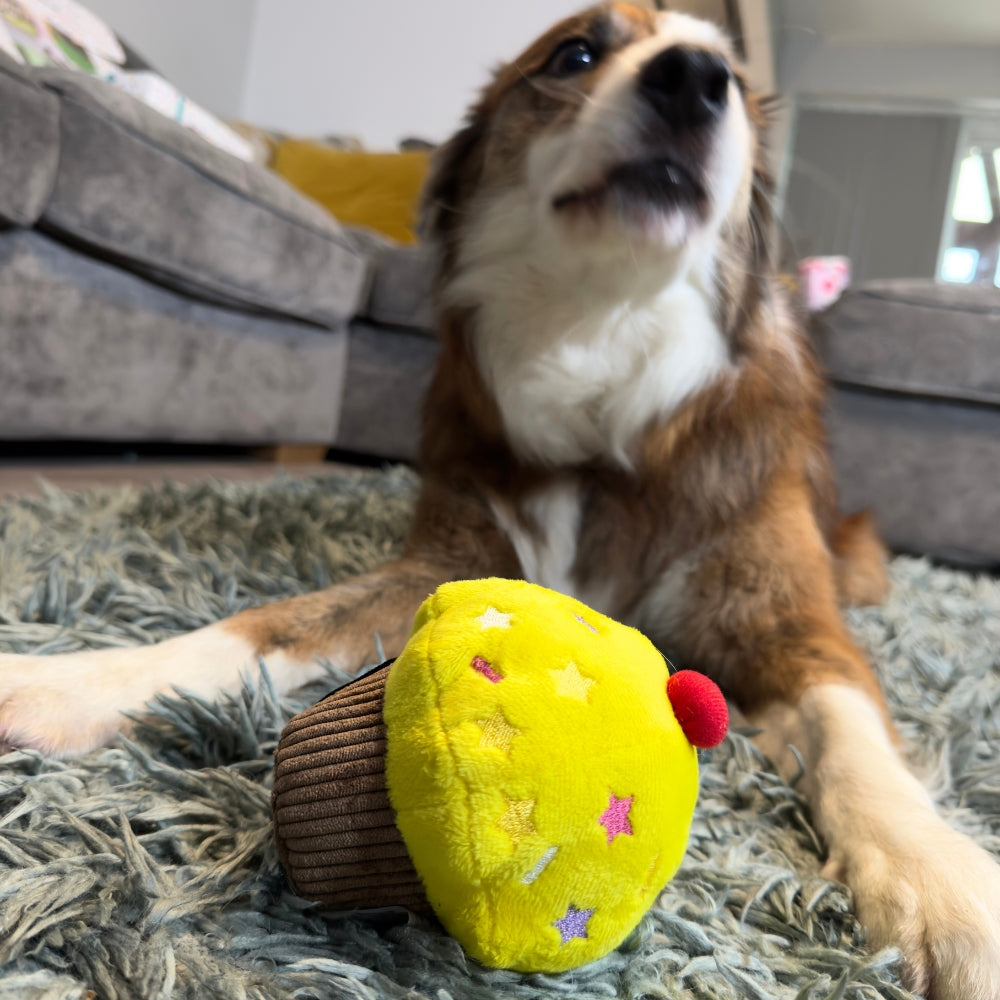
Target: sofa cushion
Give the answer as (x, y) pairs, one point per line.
(916, 337)
(915, 413)
(927, 468)
(388, 372)
(29, 144)
(143, 191)
(400, 287)
(94, 351)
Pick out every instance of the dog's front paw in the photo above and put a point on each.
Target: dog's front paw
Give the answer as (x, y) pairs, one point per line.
(935, 895)
(56, 704)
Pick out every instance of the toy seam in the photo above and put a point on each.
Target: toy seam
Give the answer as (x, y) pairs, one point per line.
(483, 913)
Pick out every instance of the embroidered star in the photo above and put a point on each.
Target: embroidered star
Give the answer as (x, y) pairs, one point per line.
(485, 668)
(497, 731)
(570, 683)
(615, 818)
(574, 924)
(517, 819)
(491, 618)
(543, 863)
(650, 871)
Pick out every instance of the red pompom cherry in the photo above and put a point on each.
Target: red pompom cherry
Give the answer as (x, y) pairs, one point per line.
(699, 707)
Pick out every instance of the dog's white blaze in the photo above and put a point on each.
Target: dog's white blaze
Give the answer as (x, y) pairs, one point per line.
(660, 613)
(918, 883)
(544, 534)
(640, 365)
(585, 386)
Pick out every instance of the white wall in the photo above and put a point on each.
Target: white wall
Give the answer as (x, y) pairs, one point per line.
(848, 64)
(381, 70)
(951, 73)
(201, 46)
(911, 22)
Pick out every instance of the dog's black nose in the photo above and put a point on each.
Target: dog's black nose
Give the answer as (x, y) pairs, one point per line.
(687, 87)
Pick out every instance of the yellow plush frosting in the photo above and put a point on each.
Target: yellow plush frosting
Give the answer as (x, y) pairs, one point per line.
(541, 782)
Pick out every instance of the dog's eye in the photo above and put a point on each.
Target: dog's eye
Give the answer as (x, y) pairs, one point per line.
(574, 56)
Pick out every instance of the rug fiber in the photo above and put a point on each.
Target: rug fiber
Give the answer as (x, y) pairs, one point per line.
(146, 870)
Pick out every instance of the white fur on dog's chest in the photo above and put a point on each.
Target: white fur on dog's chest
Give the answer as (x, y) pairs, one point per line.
(581, 387)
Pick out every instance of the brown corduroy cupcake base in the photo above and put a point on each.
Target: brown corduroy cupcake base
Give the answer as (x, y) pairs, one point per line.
(335, 828)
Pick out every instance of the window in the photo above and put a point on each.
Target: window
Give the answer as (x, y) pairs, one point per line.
(960, 264)
(972, 193)
(970, 252)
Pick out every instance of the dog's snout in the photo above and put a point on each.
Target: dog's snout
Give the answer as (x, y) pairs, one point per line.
(687, 87)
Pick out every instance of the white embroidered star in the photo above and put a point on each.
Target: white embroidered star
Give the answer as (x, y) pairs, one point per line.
(491, 618)
(570, 683)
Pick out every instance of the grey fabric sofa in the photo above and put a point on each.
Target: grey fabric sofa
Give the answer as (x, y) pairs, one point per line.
(915, 413)
(153, 287)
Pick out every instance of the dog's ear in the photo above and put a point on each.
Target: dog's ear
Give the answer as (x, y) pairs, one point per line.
(454, 173)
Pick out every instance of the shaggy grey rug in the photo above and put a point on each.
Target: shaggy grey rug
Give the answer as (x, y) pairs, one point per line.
(147, 870)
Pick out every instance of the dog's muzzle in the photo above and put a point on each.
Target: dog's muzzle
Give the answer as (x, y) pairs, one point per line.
(688, 88)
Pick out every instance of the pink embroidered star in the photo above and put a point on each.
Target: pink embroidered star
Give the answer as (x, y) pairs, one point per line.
(485, 668)
(615, 818)
(574, 924)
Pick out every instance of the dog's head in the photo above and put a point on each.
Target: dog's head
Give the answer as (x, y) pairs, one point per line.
(621, 137)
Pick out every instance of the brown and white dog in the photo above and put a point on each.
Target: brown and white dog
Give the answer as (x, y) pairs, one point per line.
(625, 410)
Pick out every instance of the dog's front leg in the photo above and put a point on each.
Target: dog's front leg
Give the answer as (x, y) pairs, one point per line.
(65, 704)
(917, 883)
(764, 621)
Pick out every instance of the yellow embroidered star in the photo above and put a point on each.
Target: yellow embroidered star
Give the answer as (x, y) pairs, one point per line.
(570, 683)
(491, 618)
(497, 731)
(517, 819)
(647, 884)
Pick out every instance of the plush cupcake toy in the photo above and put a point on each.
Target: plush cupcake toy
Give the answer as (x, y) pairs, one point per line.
(527, 769)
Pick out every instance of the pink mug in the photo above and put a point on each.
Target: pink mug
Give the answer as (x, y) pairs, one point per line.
(822, 279)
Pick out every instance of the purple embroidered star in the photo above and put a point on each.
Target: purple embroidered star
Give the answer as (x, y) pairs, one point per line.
(615, 818)
(574, 924)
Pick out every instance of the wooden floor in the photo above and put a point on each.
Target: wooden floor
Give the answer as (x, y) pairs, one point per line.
(23, 476)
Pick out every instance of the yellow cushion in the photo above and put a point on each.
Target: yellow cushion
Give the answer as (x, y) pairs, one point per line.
(377, 190)
(541, 781)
